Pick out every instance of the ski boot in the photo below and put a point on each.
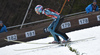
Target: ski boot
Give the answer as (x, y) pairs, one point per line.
(66, 41)
(54, 42)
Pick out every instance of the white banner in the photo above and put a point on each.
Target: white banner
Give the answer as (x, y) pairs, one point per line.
(65, 25)
(83, 21)
(30, 33)
(98, 17)
(46, 29)
(12, 37)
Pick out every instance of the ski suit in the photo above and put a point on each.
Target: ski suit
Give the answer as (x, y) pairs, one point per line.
(53, 27)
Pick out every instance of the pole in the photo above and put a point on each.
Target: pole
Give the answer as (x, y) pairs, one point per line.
(26, 14)
(63, 6)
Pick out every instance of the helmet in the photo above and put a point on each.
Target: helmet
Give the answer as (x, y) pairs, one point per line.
(38, 9)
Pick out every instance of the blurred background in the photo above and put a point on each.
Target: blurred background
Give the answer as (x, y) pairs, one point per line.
(12, 12)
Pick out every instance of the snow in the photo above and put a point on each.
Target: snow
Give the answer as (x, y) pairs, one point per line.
(90, 47)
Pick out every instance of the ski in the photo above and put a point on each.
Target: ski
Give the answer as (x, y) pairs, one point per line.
(76, 41)
(41, 47)
(23, 42)
(57, 45)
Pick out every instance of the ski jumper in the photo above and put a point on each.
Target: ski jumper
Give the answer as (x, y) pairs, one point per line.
(54, 26)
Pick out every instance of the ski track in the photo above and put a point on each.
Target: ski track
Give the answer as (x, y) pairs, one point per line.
(90, 47)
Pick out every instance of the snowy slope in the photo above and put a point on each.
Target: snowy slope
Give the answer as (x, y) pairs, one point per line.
(90, 47)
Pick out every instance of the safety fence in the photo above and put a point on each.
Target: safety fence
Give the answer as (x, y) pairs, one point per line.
(44, 20)
(72, 23)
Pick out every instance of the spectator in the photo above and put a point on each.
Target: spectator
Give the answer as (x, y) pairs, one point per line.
(2, 27)
(92, 7)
